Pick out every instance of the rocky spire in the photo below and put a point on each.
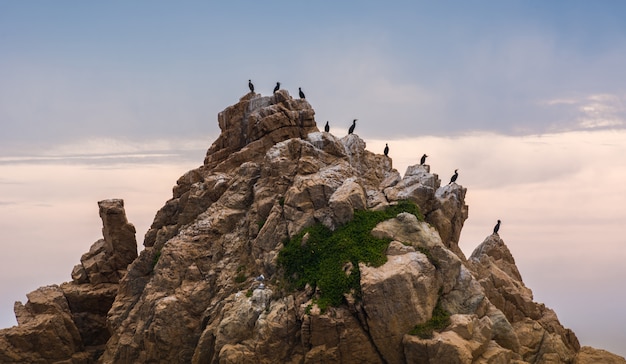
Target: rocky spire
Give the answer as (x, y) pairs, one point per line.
(67, 323)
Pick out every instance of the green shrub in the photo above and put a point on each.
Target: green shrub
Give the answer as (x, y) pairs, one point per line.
(241, 274)
(155, 260)
(430, 257)
(240, 278)
(440, 320)
(320, 260)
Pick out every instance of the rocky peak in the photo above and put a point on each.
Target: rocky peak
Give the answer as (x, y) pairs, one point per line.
(258, 122)
(209, 286)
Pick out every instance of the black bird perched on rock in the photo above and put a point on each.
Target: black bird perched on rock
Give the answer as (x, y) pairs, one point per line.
(277, 87)
(250, 85)
(454, 176)
(386, 151)
(351, 130)
(327, 127)
(423, 160)
(496, 228)
(301, 93)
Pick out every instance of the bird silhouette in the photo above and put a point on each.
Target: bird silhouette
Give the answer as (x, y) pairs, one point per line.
(327, 127)
(250, 85)
(454, 176)
(496, 228)
(423, 160)
(277, 87)
(301, 93)
(351, 130)
(386, 151)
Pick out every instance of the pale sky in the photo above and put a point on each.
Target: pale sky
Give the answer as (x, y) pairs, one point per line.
(527, 98)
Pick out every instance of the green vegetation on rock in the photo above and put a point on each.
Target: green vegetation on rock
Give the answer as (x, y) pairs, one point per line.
(329, 260)
(440, 320)
(155, 260)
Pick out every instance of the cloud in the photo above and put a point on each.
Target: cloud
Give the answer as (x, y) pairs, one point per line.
(109, 151)
(602, 111)
(592, 111)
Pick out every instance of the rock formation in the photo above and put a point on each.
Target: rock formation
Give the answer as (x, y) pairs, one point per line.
(192, 295)
(67, 323)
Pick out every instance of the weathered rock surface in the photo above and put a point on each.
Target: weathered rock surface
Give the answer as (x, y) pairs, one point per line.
(67, 323)
(193, 296)
(589, 355)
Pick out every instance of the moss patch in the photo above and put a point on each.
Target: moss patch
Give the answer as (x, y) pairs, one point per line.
(320, 259)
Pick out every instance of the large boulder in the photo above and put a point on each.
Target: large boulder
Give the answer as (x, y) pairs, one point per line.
(397, 296)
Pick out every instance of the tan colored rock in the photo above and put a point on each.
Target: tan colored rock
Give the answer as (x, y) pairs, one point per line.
(447, 347)
(108, 258)
(589, 355)
(118, 233)
(495, 354)
(207, 288)
(503, 332)
(67, 324)
(346, 199)
(45, 333)
(257, 122)
(397, 296)
(337, 336)
(541, 336)
(465, 340)
(397, 248)
(417, 185)
(408, 230)
(450, 215)
(540, 346)
(89, 305)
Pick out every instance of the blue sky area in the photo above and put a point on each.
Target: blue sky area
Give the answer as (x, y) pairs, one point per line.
(151, 69)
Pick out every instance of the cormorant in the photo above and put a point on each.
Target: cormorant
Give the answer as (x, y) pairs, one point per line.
(351, 130)
(454, 176)
(496, 228)
(250, 85)
(386, 151)
(327, 127)
(301, 93)
(423, 160)
(277, 87)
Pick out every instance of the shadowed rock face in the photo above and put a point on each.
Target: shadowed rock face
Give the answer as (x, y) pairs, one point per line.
(192, 294)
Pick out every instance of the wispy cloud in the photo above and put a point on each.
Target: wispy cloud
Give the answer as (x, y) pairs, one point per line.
(109, 150)
(594, 111)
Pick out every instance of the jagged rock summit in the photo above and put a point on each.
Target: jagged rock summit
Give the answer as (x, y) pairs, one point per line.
(210, 284)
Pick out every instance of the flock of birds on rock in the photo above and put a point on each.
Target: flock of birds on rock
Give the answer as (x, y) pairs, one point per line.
(385, 151)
